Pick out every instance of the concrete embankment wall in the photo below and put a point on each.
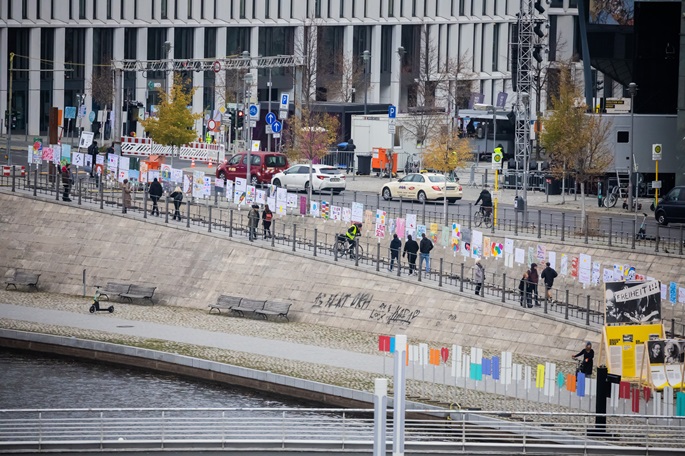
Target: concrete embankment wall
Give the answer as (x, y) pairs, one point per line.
(191, 268)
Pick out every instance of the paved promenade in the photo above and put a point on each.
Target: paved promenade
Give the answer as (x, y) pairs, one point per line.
(324, 354)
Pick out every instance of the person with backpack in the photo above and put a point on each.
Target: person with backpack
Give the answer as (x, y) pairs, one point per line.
(177, 197)
(534, 278)
(411, 247)
(395, 246)
(253, 222)
(548, 275)
(524, 290)
(425, 246)
(267, 216)
(478, 276)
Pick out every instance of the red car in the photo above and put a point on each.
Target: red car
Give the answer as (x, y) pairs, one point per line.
(263, 166)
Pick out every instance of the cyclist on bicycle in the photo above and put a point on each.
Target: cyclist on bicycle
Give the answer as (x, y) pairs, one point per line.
(352, 234)
(485, 198)
(588, 355)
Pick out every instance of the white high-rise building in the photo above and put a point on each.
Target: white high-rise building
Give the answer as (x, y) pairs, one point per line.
(57, 45)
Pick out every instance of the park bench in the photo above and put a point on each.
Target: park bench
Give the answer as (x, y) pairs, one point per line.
(277, 308)
(225, 302)
(114, 289)
(248, 306)
(23, 278)
(139, 292)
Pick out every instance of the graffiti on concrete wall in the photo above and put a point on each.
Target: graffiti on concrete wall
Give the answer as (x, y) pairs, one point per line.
(387, 313)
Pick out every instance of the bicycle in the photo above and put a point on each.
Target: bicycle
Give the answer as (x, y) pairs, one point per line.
(617, 192)
(483, 216)
(343, 249)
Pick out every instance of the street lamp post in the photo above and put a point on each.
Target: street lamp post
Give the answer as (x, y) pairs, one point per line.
(247, 84)
(366, 55)
(526, 156)
(632, 88)
(268, 84)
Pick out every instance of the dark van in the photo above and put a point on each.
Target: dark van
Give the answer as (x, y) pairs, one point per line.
(263, 165)
(671, 208)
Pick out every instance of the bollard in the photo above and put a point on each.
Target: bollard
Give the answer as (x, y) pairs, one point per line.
(516, 222)
(144, 204)
(611, 222)
(461, 279)
(423, 215)
(56, 183)
(187, 214)
(356, 253)
(166, 211)
(378, 256)
(587, 311)
(418, 270)
(546, 298)
(587, 228)
(563, 225)
(216, 197)
(539, 224)
(79, 191)
(14, 178)
(316, 235)
(632, 240)
(335, 251)
(440, 276)
(680, 244)
(378, 201)
(657, 239)
(230, 223)
(355, 196)
(102, 195)
(35, 181)
(504, 286)
(209, 225)
(566, 315)
(399, 266)
(294, 236)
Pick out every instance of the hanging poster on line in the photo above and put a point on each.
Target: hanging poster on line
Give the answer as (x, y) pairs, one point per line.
(455, 237)
(420, 230)
(477, 244)
(198, 184)
(346, 215)
(445, 234)
(177, 176)
(314, 208)
(291, 200)
(250, 194)
(433, 232)
(519, 256)
(563, 265)
(240, 191)
(336, 213)
(357, 212)
(410, 225)
(400, 229)
(207, 188)
(260, 197)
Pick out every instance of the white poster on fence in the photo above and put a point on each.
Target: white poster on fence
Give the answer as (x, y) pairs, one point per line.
(186, 184)
(476, 244)
(552, 259)
(260, 197)
(520, 256)
(282, 197)
(410, 225)
(198, 184)
(346, 214)
(585, 269)
(291, 200)
(177, 175)
(563, 265)
(357, 212)
(240, 191)
(207, 187)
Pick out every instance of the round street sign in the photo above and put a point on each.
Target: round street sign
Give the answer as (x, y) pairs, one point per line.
(211, 125)
(270, 118)
(253, 110)
(276, 127)
(91, 116)
(216, 66)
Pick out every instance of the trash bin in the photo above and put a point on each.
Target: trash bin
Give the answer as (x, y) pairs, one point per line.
(519, 204)
(553, 186)
(364, 164)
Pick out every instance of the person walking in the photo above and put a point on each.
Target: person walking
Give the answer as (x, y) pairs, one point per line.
(588, 355)
(156, 191)
(479, 276)
(524, 289)
(534, 278)
(548, 275)
(395, 246)
(253, 221)
(267, 216)
(177, 197)
(93, 152)
(66, 182)
(125, 196)
(425, 247)
(411, 247)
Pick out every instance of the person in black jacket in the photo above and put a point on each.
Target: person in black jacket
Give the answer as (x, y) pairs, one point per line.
(93, 152)
(524, 289)
(177, 196)
(395, 246)
(425, 247)
(588, 355)
(548, 275)
(411, 247)
(485, 198)
(156, 191)
(534, 278)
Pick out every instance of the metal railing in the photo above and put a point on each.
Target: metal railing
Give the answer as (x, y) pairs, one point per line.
(288, 429)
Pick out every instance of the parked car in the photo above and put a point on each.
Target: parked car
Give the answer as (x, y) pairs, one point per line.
(324, 177)
(263, 166)
(422, 187)
(671, 208)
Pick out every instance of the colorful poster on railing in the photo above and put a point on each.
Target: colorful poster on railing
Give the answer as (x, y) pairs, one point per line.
(325, 210)
(476, 244)
(282, 197)
(228, 190)
(632, 302)
(56, 154)
(346, 215)
(336, 213)
(198, 184)
(291, 200)
(400, 228)
(240, 191)
(314, 208)
(410, 225)
(487, 247)
(420, 230)
(666, 363)
(76, 159)
(455, 238)
(433, 232)
(357, 212)
(541, 253)
(187, 185)
(250, 194)
(177, 176)
(207, 188)
(585, 269)
(47, 153)
(625, 346)
(391, 226)
(596, 267)
(445, 236)
(465, 242)
(381, 217)
(66, 155)
(260, 197)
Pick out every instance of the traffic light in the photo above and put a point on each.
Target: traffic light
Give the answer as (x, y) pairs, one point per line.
(241, 117)
(537, 53)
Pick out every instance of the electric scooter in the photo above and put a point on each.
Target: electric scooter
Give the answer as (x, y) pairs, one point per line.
(95, 307)
(641, 234)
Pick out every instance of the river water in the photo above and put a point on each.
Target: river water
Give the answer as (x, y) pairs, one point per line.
(29, 380)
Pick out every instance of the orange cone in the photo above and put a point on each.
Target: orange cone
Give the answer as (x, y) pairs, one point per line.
(210, 163)
(192, 163)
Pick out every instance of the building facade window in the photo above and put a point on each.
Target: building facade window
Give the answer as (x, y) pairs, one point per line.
(164, 10)
(190, 9)
(109, 9)
(495, 47)
(552, 56)
(342, 8)
(241, 12)
(317, 8)
(413, 8)
(24, 9)
(254, 9)
(267, 9)
(237, 40)
(81, 9)
(279, 9)
(391, 8)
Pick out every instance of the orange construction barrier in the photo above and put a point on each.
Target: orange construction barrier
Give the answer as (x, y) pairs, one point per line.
(380, 160)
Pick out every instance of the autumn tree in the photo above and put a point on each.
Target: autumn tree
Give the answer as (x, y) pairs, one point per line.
(309, 137)
(174, 124)
(101, 87)
(575, 141)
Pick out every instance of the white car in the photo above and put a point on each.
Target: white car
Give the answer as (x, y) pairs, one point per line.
(422, 187)
(324, 178)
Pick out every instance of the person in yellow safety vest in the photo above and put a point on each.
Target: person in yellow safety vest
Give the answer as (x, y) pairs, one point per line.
(352, 234)
(208, 138)
(500, 150)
